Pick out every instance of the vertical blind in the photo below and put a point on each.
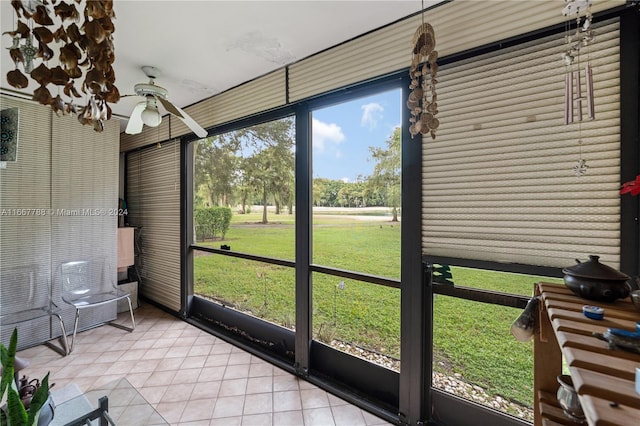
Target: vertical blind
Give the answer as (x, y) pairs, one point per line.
(498, 182)
(153, 204)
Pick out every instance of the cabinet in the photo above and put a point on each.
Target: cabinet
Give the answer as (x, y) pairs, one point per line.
(604, 378)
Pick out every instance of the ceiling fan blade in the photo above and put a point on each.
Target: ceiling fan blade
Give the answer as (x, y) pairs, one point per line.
(190, 122)
(134, 126)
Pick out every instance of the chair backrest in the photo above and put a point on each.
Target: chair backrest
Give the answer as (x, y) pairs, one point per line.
(22, 289)
(83, 279)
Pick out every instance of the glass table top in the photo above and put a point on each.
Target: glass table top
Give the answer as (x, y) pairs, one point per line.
(126, 406)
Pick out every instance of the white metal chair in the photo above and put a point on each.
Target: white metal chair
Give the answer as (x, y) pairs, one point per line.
(87, 284)
(25, 295)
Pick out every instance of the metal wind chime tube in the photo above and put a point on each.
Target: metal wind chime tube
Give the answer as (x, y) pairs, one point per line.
(584, 35)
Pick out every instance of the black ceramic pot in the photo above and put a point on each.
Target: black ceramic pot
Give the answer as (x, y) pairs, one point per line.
(596, 281)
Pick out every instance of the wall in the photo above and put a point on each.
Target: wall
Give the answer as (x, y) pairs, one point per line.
(62, 168)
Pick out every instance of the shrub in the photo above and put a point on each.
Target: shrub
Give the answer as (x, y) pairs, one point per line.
(211, 222)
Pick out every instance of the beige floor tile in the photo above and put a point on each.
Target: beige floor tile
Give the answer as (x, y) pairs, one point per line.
(314, 398)
(261, 369)
(175, 393)
(194, 361)
(258, 403)
(260, 384)
(142, 366)
(236, 371)
(217, 360)
(172, 333)
(206, 339)
(171, 411)
(233, 387)
(132, 355)
(284, 383)
(120, 367)
(239, 358)
(372, 420)
(257, 420)
(153, 394)
(198, 410)
(200, 350)
(335, 401)
(221, 348)
(195, 423)
(229, 406)
(160, 378)
(168, 364)
(178, 352)
(227, 421)
(287, 401)
(155, 353)
(208, 374)
(318, 417)
(206, 390)
(347, 415)
(138, 379)
(189, 375)
(288, 418)
(164, 343)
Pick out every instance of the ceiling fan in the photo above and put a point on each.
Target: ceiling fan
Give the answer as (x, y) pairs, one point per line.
(146, 112)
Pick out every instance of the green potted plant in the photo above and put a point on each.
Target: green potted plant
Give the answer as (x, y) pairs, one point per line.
(14, 412)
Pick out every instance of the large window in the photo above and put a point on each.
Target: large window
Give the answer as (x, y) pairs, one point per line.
(356, 226)
(244, 188)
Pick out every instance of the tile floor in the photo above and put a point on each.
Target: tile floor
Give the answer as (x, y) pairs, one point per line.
(191, 377)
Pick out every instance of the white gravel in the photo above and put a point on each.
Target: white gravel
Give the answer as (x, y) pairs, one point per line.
(454, 384)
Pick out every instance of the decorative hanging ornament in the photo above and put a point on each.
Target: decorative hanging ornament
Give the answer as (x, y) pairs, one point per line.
(575, 98)
(82, 41)
(423, 100)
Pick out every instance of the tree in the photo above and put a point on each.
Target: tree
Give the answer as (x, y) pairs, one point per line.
(386, 176)
(253, 160)
(215, 165)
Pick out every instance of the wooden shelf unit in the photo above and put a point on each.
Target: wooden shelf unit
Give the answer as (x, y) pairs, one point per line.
(604, 378)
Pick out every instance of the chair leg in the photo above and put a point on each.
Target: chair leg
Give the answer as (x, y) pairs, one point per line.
(63, 340)
(75, 330)
(133, 321)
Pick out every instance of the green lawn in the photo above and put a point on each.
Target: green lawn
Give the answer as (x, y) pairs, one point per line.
(470, 338)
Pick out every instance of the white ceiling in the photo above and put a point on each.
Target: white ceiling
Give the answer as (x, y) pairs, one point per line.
(206, 47)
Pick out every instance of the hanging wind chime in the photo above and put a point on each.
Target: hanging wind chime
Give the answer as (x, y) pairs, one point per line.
(578, 75)
(423, 100)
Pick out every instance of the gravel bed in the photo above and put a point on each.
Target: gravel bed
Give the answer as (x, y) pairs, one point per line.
(454, 383)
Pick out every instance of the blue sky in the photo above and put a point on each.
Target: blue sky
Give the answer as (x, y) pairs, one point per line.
(343, 133)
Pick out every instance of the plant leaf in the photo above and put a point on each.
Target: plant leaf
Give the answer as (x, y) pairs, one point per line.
(38, 401)
(7, 357)
(17, 413)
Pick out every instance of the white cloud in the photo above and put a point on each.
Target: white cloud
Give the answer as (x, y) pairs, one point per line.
(371, 114)
(338, 154)
(325, 133)
(345, 179)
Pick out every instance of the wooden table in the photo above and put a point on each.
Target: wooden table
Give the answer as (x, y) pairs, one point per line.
(604, 378)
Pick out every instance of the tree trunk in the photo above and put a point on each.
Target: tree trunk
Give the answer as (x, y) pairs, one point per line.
(277, 206)
(395, 215)
(264, 204)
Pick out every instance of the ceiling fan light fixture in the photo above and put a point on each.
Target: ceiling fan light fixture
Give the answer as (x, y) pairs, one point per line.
(151, 116)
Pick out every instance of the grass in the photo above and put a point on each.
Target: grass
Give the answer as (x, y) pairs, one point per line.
(470, 338)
